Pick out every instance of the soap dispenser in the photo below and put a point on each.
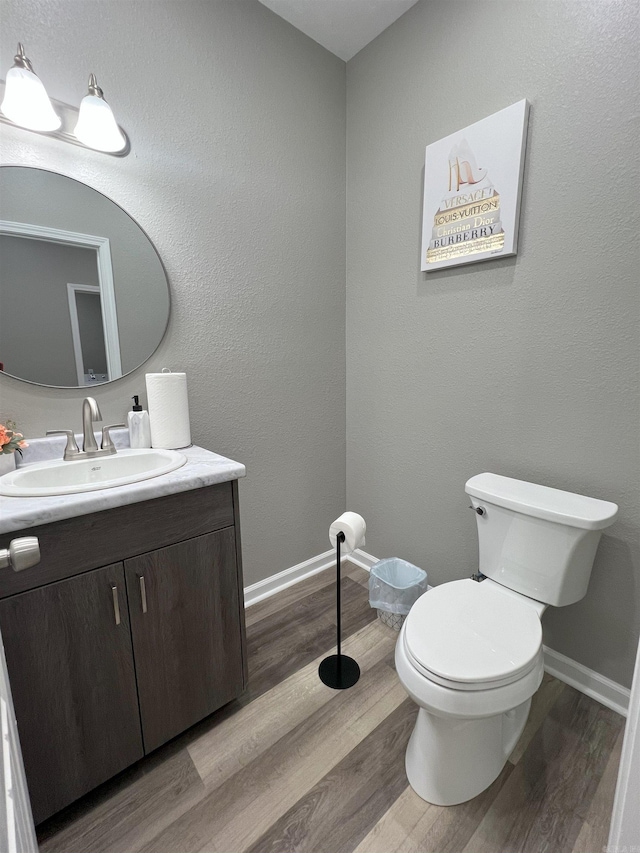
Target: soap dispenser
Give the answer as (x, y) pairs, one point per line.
(139, 429)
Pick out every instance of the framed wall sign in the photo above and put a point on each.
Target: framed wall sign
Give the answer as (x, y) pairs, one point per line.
(472, 188)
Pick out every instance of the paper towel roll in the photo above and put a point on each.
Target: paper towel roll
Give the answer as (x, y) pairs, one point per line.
(353, 526)
(168, 409)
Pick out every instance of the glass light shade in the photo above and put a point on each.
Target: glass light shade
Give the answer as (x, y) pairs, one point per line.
(26, 102)
(97, 126)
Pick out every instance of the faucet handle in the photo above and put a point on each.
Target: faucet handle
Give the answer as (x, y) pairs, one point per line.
(71, 450)
(106, 443)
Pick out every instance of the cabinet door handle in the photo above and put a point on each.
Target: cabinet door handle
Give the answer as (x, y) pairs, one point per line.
(143, 594)
(116, 604)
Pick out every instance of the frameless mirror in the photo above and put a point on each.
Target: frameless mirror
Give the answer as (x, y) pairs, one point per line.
(84, 297)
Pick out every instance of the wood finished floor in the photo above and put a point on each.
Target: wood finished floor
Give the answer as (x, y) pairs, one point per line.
(296, 766)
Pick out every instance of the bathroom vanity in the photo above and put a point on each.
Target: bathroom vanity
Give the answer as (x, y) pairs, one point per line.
(131, 627)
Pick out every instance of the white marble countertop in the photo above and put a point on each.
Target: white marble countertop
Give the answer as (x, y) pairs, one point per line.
(203, 468)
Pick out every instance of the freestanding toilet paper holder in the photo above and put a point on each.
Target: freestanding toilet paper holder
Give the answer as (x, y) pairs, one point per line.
(339, 671)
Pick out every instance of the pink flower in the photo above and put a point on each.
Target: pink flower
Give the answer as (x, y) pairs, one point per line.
(10, 439)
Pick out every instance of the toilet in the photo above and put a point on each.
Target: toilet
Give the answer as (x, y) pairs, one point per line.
(470, 651)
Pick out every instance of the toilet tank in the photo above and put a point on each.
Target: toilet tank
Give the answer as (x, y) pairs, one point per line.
(538, 541)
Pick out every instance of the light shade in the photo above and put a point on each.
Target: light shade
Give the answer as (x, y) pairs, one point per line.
(96, 125)
(26, 102)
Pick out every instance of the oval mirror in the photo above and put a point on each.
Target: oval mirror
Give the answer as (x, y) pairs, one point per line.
(84, 297)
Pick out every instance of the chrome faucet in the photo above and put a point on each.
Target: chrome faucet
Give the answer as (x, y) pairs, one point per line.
(90, 414)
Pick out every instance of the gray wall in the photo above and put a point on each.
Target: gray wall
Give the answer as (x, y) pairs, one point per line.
(529, 366)
(237, 173)
(35, 324)
(525, 366)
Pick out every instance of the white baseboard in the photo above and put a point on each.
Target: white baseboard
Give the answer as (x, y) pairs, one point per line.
(588, 681)
(362, 559)
(598, 687)
(276, 583)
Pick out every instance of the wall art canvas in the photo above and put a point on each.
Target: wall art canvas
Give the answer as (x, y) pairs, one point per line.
(472, 189)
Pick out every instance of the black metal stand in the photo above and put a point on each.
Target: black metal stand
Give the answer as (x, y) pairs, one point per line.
(339, 671)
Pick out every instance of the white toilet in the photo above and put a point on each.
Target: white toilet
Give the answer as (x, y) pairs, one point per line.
(470, 653)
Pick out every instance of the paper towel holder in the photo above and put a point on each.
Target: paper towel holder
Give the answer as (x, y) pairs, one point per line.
(339, 671)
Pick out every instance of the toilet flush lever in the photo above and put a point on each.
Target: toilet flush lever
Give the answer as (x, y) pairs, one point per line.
(477, 509)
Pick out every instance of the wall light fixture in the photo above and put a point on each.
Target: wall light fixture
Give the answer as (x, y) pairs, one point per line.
(96, 125)
(25, 101)
(27, 105)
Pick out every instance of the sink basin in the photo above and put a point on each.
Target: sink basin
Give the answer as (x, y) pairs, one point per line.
(88, 475)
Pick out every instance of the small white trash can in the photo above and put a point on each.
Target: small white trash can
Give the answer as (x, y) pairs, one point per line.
(394, 586)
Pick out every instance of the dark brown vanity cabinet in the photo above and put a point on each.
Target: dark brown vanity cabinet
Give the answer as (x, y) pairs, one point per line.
(74, 686)
(106, 664)
(186, 633)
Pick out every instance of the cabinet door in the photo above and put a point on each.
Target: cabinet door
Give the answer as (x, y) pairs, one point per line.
(185, 624)
(73, 682)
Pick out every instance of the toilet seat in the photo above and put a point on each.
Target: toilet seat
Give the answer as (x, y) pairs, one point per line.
(470, 636)
(466, 686)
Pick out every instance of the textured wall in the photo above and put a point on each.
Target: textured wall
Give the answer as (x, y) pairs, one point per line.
(237, 174)
(524, 366)
(527, 366)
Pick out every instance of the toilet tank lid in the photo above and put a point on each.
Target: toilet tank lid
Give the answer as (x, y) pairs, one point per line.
(542, 501)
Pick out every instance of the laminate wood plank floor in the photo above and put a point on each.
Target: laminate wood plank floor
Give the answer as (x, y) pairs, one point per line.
(295, 767)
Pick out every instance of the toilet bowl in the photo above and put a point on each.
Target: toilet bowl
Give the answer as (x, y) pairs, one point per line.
(470, 652)
(471, 657)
